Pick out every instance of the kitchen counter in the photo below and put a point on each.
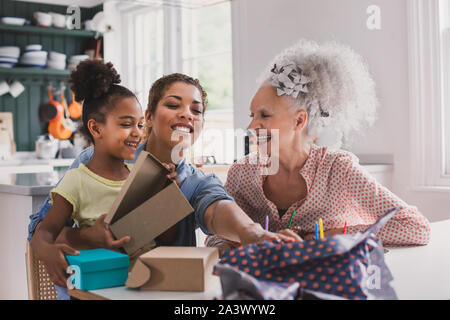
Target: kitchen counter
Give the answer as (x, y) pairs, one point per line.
(29, 184)
(27, 162)
(21, 194)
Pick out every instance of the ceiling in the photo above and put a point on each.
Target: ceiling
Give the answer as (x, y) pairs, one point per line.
(177, 3)
(80, 3)
(172, 3)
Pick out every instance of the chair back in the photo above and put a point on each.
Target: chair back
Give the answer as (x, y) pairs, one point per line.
(40, 287)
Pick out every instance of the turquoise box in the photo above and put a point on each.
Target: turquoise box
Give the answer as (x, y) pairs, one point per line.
(98, 269)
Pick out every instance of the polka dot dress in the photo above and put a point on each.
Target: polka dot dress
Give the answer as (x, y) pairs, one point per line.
(338, 190)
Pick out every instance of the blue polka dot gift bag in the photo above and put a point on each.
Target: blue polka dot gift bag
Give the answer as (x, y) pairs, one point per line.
(349, 266)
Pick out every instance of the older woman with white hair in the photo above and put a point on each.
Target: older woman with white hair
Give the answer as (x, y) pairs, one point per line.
(314, 98)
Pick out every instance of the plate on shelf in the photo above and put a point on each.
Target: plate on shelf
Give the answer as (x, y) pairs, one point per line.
(8, 59)
(33, 65)
(34, 58)
(33, 47)
(13, 21)
(10, 51)
(6, 65)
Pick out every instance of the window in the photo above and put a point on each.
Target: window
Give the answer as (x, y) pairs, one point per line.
(144, 59)
(429, 52)
(444, 28)
(197, 42)
(207, 56)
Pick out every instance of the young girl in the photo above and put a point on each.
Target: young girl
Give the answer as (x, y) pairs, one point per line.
(113, 121)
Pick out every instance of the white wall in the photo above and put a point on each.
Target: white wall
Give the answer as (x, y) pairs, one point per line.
(262, 28)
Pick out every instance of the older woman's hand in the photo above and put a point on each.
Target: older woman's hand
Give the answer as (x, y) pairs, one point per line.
(326, 233)
(254, 233)
(290, 233)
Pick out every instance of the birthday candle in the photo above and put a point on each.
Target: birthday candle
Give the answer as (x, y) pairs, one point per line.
(345, 227)
(320, 228)
(267, 223)
(290, 220)
(317, 230)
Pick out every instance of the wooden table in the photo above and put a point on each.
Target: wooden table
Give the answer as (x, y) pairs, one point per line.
(419, 273)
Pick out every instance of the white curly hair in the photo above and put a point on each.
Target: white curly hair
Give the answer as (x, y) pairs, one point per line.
(341, 98)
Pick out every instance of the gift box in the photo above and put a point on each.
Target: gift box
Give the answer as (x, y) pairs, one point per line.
(98, 269)
(349, 266)
(174, 269)
(147, 205)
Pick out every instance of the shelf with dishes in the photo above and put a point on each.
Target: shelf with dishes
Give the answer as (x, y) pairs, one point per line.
(34, 61)
(51, 23)
(49, 31)
(34, 71)
(34, 56)
(49, 43)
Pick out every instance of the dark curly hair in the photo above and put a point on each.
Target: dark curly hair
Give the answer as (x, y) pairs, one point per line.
(160, 86)
(96, 84)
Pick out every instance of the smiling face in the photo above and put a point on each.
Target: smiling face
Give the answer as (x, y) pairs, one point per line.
(178, 116)
(122, 130)
(271, 112)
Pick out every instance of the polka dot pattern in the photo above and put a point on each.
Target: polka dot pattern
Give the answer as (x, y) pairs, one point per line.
(338, 272)
(338, 190)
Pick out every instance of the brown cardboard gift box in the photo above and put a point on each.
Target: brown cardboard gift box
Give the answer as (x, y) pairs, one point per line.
(174, 269)
(147, 205)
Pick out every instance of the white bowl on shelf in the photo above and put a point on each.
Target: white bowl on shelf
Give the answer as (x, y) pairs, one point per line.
(43, 19)
(36, 54)
(88, 25)
(8, 62)
(58, 20)
(8, 59)
(32, 65)
(9, 51)
(57, 56)
(58, 65)
(78, 58)
(14, 21)
(33, 47)
(33, 61)
(75, 60)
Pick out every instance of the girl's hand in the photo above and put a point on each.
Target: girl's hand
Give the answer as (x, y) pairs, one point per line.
(173, 175)
(101, 237)
(52, 255)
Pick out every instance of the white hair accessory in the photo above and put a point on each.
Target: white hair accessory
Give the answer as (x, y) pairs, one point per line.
(289, 80)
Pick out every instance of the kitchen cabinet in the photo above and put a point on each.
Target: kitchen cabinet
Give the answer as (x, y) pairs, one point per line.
(25, 108)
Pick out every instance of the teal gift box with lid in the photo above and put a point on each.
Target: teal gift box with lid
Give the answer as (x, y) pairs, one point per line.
(98, 269)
